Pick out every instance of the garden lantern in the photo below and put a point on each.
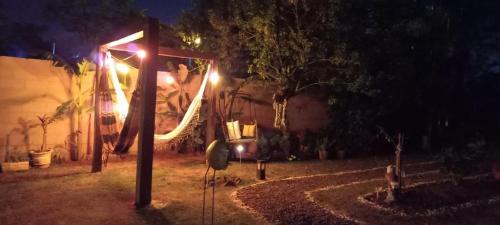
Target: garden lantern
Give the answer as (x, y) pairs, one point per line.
(261, 169)
(240, 149)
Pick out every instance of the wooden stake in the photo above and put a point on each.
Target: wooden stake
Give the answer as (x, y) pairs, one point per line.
(147, 115)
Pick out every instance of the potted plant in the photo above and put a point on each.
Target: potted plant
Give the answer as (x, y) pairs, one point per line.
(340, 154)
(321, 147)
(340, 146)
(42, 157)
(16, 162)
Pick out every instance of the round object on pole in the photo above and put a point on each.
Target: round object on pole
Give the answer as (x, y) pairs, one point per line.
(217, 155)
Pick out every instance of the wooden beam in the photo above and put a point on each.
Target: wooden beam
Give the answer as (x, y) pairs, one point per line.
(169, 52)
(124, 40)
(97, 153)
(148, 72)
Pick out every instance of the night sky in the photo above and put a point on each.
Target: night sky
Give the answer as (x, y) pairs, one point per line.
(30, 11)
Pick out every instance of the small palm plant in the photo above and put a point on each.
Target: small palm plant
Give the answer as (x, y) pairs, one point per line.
(42, 157)
(45, 121)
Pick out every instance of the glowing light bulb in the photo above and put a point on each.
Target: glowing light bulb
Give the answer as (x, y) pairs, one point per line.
(141, 54)
(122, 68)
(240, 148)
(169, 79)
(214, 78)
(197, 41)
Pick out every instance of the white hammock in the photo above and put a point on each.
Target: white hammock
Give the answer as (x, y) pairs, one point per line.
(121, 100)
(192, 112)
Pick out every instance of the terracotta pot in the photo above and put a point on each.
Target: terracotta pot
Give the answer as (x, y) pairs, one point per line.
(323, 154)
(40, 159)
(340, 154)
(15, 166)
(496, 170)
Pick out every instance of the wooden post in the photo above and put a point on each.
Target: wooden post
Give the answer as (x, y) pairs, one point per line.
(147, 115)
(212, 98)
(399, 149)
(97, 153)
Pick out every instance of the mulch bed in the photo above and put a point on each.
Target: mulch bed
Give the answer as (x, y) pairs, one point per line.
(422, 199)
(284, 201)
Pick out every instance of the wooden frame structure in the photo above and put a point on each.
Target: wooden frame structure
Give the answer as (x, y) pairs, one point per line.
(150, 34)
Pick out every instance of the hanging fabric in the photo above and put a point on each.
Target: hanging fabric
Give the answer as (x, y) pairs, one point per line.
(108, 127)
(280, 114)
(192, 114)
(120, 142)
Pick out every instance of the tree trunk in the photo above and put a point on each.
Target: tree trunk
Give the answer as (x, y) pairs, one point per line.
(44, 140)
(79, 140)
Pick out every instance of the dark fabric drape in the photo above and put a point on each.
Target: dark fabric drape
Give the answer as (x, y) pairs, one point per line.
(108, 126)
(131, 125)
(115, 140)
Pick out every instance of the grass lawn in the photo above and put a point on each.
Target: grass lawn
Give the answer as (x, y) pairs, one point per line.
(69, 194)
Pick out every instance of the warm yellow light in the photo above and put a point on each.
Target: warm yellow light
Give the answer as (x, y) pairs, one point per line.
(122, 68)
(240, 148)
(214, 78)
(197, 41)
(141, 54)
(169, 79)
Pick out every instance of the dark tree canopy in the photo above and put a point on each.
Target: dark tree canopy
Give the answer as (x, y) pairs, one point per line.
(93, 20)
(20, 39)
(428, 68)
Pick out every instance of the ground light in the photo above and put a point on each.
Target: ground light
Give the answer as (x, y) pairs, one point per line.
(197, 41)
(240, 149)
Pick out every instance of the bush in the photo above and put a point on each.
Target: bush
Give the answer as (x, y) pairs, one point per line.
(460, 156)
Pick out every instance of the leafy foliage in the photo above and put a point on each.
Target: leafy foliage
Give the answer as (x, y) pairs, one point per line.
(422, 67)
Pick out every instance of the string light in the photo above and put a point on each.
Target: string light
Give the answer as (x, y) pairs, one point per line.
(169, 79)
(122, 68)
(214, 78)
(141, 54)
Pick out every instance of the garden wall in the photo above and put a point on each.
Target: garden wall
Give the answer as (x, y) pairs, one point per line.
(303, 111)
(31, 87)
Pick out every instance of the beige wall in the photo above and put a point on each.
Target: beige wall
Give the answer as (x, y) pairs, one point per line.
(31, 87)
(303, 111)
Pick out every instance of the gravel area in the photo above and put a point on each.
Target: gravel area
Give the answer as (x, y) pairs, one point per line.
(284, 201)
